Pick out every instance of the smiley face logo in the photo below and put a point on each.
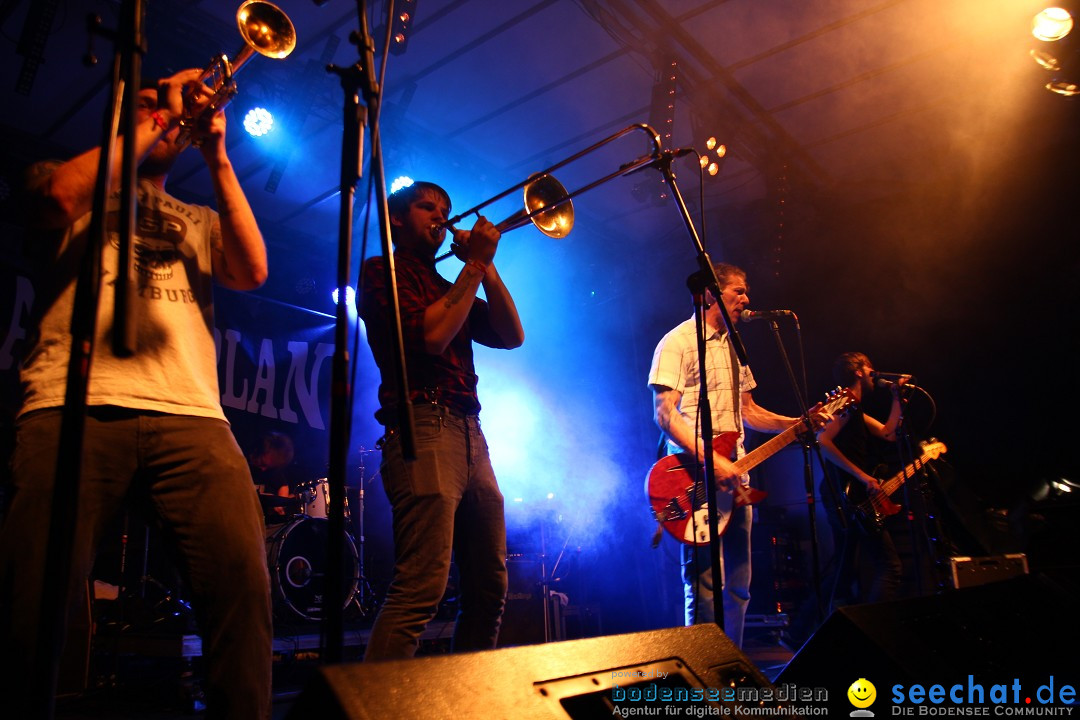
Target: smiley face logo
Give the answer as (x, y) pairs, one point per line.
(862, 693)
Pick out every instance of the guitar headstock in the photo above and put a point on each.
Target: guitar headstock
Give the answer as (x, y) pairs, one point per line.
(838, 401)
(933, 448)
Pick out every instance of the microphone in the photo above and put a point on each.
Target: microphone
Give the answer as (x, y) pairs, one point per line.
(652, 159)
(748, 315)
(893, 377)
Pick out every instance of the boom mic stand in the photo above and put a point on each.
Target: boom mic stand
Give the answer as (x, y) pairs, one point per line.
(704, 278)
(129, 46)
(808, 466)
(356, 79)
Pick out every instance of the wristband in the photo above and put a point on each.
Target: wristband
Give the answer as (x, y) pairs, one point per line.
(159, 121)
(478, 265)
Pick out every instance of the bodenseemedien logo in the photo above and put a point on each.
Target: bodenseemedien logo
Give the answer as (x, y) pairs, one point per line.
(862, 694)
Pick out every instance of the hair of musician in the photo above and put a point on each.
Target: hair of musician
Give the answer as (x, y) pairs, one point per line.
(279, 443)
(726, 272)
(398, 202)
(846, 365)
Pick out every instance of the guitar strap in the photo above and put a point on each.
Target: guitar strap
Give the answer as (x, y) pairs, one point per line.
(735, 385)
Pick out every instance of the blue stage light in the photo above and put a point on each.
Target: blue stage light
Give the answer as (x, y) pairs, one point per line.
(401, 181)
(350, 297)
(258, 121)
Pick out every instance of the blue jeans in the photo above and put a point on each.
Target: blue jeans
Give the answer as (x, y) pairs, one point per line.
(198, 484)
(735, 577)
(447, 502)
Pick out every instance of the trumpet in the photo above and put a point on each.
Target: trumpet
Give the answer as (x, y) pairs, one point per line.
(265, 29)
(548, 205)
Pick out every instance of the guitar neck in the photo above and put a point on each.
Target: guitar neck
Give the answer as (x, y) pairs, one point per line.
(893, 484)
(767, 449)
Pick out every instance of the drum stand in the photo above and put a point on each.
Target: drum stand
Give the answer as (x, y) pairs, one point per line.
(364, 598)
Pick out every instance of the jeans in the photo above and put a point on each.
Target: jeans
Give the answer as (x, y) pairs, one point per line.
(697, 577)
(447, 502)
(197, 482)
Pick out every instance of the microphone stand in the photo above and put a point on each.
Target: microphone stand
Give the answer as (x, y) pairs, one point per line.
(705, 278)
(906, 454)
(807, 441)
(356, 79)
(129, 45)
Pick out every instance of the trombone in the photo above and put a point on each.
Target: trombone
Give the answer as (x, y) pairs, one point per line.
(548, 205)
(266, 30)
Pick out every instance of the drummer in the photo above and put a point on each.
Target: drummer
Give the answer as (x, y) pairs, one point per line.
(273, 471)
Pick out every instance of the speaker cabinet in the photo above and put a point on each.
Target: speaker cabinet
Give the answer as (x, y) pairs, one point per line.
(573, 679)
(996, 632)
(523, 621)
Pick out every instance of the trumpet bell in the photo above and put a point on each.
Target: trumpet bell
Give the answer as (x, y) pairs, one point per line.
(266, 28)
(543, 191)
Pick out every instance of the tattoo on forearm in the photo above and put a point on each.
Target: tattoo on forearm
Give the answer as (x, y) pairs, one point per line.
(454, 296)
(458, 290)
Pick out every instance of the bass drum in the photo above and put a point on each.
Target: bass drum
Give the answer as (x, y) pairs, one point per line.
(296, 557)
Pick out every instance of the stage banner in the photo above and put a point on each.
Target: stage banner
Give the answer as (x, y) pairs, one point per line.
(274, 368)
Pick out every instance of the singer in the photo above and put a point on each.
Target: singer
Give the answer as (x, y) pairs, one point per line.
(673, 379)
(870, 570)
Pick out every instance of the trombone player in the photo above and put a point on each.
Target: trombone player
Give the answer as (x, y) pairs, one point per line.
(155, 430)
(448, 500)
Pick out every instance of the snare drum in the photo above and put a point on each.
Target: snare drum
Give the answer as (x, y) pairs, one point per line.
(296, 557)
(315, 499)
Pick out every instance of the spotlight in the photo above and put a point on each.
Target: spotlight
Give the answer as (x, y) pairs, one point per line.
(350, 297)
(404, 17)
(713, 158)
(1057, 52)
(1052, 24)
(258, 122)
(402, 181)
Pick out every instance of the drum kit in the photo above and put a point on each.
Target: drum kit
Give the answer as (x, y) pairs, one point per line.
(296, 550)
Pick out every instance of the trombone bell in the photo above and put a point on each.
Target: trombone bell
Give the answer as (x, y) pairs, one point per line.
(543, 191)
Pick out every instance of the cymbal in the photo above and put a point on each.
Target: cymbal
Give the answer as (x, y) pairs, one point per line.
(271, 500)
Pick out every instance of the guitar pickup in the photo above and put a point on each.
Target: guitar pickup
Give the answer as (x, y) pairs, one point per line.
(671, 511)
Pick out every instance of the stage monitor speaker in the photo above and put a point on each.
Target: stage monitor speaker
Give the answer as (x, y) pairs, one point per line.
(1012, 629)
(575, 679)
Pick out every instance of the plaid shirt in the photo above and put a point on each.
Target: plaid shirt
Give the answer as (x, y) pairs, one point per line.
(675, 366)
(448, 379)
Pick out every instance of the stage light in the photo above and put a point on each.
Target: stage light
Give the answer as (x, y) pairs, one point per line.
(402, 181)
(713, 168)
(404, 17)
(1058, 51)
(258, 121)
(1051, 24)
(350, 297)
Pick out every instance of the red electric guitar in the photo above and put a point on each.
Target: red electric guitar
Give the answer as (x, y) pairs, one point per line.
(871, 510)
(671, 481)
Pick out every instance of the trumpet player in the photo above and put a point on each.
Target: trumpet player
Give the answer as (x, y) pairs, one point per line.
(447, 500)
(155, 431)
